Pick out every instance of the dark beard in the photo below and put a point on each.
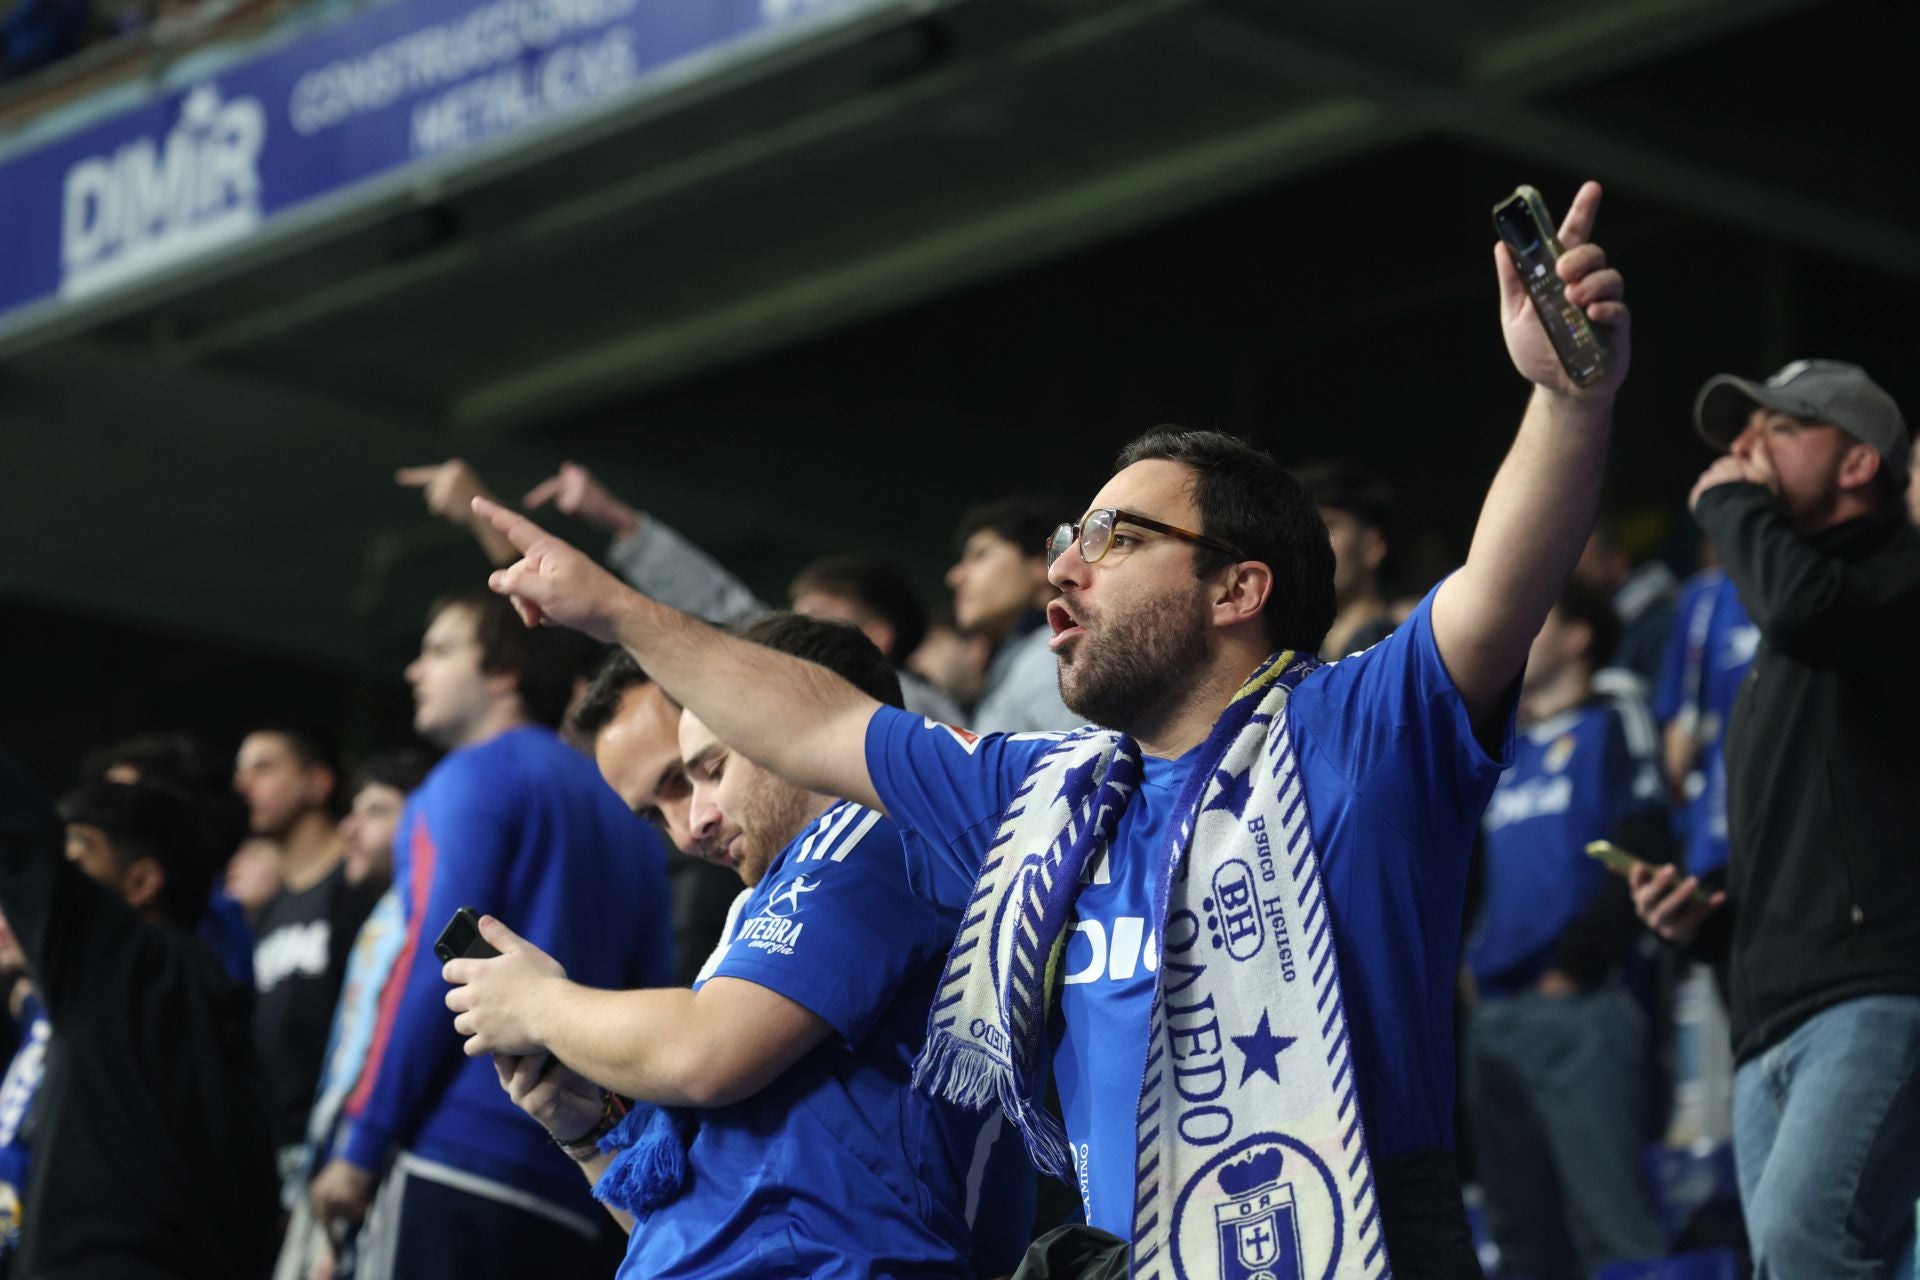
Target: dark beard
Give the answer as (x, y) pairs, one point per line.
(1138, 667)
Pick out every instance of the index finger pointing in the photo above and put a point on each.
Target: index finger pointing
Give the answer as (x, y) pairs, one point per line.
(1577, 229)
(415, 477)
(520, 531)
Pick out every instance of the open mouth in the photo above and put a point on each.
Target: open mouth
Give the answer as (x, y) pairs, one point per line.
(1062, 622)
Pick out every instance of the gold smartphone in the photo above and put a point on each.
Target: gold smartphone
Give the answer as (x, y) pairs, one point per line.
(1622, 863)
(1523, 222)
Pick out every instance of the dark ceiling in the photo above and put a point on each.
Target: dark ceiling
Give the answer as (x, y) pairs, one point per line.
(971, 252)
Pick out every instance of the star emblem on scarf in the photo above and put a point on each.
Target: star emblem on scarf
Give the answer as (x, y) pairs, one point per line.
(1078, 780)
(1235, 790)
(1261, 1050)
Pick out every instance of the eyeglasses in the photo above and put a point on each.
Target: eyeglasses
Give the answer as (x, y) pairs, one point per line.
(1095, 535)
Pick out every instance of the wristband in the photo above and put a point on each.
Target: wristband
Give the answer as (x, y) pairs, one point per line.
(587, 1145)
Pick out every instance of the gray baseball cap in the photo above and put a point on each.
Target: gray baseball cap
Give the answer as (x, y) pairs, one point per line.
(1816, 390)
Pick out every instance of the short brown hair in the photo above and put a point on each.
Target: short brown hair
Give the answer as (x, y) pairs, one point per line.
(542, 661)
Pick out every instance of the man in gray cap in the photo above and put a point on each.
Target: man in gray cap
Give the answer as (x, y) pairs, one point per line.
(1819, 924)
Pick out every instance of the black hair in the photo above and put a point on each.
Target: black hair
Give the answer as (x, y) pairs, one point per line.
(872, 585)
(171, 758)
(1026, 521)
(1349, 487)
(403, 770)
(1249, 502)
(840, 647)
(543, 661)
(1592, 606)
(152, 820)
(618, 672)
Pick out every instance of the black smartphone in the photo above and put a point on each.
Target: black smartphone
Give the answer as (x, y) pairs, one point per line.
(1523, 222)
(461, 939)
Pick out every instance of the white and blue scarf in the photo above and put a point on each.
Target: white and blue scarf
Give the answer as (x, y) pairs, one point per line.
(1251, 1158)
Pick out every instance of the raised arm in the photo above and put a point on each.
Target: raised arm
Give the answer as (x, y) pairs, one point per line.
(1541, 505)
(648, 553)
(791, 716)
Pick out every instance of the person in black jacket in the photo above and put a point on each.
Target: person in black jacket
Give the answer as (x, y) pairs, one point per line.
(1820, 920)
(153, 1156)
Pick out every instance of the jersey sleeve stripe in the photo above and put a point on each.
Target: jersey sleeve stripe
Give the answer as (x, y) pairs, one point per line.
(855, 836)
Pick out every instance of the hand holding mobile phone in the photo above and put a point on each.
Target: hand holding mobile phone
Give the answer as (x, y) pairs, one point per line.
(1622, 863)
(1526, 227)
(461, 939)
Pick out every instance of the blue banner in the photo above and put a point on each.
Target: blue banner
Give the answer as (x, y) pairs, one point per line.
(203, 169)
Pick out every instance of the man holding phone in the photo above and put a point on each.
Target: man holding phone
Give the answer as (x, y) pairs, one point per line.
(810, 1153)
(514, 820)
(1189, 590)
(1819, 925)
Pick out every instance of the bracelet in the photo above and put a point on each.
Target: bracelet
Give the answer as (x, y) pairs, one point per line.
(587, 1145)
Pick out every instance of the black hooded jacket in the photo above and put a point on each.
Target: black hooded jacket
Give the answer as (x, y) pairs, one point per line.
(1823, 765)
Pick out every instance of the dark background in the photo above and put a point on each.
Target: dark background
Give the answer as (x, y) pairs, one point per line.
(214, 542)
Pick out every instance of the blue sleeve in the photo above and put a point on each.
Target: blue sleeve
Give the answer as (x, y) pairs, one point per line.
(836, 927)
(1679, 684)
(462, 830)
(1392, 724)
(1634, 785)
(946, 789)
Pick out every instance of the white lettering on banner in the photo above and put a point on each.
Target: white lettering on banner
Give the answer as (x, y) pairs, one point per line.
(444, 54)
(513, 96)
(150, 204)
(297, 949)
(1117, 959)
(1535, 798)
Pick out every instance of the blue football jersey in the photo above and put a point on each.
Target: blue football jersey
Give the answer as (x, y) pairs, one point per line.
(1395, 782)
(839, 1168)
(1575, 778)
(1708, 655)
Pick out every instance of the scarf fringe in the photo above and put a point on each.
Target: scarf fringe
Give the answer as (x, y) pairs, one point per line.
(649, 1167)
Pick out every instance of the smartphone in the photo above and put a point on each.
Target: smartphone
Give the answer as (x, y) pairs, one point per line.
(1523, 222)
(461, 939)
(1620, 862)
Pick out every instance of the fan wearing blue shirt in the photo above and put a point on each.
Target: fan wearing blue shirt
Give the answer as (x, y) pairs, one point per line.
(809, 1154)
(1557, 1061)
(469, 1187)
(1197, 562)
(1712, 644)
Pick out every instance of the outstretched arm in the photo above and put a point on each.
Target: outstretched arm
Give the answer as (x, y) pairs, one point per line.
(1540, 508)
(788, 715)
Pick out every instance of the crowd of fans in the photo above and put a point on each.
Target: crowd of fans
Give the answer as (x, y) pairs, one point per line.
(242, 1053)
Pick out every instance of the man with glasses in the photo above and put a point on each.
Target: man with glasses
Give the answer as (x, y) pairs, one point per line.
(1227, 923)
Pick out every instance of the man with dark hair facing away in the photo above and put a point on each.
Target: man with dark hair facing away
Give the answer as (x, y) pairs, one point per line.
(1146, 914)
(1357, 507)
(514, 820)
(1557, 1044)
(813, 1155)
(1819, 924)
(290, 782)
(153, 1154)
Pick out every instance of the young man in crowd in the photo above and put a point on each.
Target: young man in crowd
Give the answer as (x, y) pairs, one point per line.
(1558, 1052)
(1819, 925)
(1357, 507)
(512, 819)
(377, 792)
(1643, 599)
(1001, 592)
(1225, 1106)
(153, 1150)
(304, 932)
(812, 1154)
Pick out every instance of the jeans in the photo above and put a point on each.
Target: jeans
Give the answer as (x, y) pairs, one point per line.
(1826, 1137)
(1557, 1098)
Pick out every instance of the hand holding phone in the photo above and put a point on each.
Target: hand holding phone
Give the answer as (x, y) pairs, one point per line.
(461, 939)
(1527, 230)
